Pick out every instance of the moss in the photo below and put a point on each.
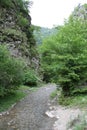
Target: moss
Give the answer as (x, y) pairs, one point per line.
(22, 21)
(17, 34)
(24, 50)
(6, 3)
(12, 31)
(3, 38)
(33, 51)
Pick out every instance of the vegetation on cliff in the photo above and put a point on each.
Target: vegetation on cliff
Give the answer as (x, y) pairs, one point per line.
(18, 54)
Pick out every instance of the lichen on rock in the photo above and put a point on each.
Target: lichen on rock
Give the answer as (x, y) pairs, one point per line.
(16, 30)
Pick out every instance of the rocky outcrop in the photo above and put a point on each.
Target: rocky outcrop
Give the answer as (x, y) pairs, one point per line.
(17, 34)
(80, 12)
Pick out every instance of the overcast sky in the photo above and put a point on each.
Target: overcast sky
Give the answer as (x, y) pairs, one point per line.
(47, 13)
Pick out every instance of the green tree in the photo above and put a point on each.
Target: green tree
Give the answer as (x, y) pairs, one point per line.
(64, 57)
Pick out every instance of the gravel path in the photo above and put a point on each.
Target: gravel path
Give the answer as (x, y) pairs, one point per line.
(30, 113)
(37, 112)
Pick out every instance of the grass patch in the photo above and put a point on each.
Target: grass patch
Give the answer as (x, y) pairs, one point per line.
(7, 101)
(27, 88)
(80, 100)
(54, 94)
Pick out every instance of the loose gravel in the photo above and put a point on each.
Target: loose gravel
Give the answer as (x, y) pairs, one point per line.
(30, 113)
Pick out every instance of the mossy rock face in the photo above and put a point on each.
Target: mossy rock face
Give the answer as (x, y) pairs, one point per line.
(15, 40)
(80, 12)
(16, 32)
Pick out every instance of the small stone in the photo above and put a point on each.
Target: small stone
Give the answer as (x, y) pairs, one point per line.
(0, 114)
(10, 122)
(57, 117)
(14, 127)
(49, 104)
(51, 108)
(49, 114)
(7, 113)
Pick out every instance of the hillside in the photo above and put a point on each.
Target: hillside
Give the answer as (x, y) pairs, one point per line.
(42, 33)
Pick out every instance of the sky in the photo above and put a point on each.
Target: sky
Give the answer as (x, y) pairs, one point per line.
(50, 13)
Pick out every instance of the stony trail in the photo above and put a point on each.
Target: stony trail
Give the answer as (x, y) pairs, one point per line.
(37, 112)
(29, 114)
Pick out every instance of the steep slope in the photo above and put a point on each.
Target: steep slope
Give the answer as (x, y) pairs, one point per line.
(16, 30)
(80, 12)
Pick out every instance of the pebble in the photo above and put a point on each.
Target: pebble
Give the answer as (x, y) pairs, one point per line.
(11, 122)
(0, 114)
(49, 114)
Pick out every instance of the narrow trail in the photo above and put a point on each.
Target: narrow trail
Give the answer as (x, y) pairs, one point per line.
(37, 112)
(29, 114)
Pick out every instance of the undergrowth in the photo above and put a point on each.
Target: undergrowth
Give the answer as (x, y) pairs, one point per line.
(7, 101)
(79, 100)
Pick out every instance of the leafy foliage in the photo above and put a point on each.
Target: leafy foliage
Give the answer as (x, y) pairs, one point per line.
(7, 101)
(40, 33)
(64, 56)
(21, 5)
(6, 3)
(11, 72)
(30, 77)
(23, 22)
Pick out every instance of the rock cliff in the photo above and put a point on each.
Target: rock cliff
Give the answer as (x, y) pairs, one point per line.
(80, 12)
(16, 31)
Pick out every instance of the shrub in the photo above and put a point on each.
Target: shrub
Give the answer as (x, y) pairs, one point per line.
(30, 78)
(21, 5)
(23, 22)
(11, 72)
